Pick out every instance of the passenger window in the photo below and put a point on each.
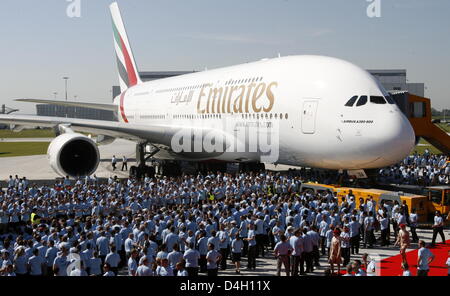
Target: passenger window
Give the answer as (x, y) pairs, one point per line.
(351, 102)
(390, 100)
(362, 101)
(377, 100)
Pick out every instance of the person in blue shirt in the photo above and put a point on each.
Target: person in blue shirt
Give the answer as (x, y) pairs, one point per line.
(181, 271)
(223, 246)
(171, 239)
(237, 245)
(252, 249)
(113, 260)
(213, 258)
(191, 257)
(202, 245)
(102, 246)
(308, 249)
(243, 231)
(354, 235)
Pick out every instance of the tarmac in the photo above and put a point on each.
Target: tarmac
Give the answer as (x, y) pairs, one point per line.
(267, 266)
(37, 167)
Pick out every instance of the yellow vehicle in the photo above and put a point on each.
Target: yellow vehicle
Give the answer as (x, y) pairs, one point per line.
(438, 199)
(413, 201)
(435, 198)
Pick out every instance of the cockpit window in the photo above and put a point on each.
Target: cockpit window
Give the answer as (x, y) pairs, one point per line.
(390, 100)
(351, 102)
(362, 101)
(377, 100)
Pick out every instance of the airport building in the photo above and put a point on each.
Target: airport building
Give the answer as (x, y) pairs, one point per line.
(74, 112)
(6, 110)
(395, 80)
(392, 80)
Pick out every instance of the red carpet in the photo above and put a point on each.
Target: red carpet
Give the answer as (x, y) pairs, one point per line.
(392, 266)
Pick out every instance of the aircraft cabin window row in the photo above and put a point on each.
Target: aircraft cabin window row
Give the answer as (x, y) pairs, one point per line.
(229, 82)
(373, 99)
(248, 80)
(153, 116)
(265, 116)
(218, 116)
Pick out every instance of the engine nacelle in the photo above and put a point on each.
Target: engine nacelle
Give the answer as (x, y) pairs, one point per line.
(74, 155)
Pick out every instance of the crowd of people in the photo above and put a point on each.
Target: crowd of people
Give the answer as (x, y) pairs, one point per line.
(188, 225)
(419, 169)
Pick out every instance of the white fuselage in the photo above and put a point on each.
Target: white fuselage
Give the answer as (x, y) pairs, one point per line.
(300, 98)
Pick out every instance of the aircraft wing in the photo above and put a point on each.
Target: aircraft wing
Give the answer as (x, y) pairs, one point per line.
(107, 107)
(159, 134)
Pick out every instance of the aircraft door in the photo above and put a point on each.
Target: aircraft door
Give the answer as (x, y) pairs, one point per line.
(309, 113)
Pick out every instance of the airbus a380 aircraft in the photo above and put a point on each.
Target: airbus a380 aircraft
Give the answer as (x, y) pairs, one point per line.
(315, 111)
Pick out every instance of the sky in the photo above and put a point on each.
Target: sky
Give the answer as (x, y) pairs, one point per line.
(42, 44)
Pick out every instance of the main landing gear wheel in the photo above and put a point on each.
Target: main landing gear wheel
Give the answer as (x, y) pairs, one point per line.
(142, 172)
(251, 167)
(169, 169)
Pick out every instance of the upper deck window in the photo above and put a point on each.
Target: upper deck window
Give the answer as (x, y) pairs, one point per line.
(351, 102)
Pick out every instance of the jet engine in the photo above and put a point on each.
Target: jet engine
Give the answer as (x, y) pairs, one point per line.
(74, 155)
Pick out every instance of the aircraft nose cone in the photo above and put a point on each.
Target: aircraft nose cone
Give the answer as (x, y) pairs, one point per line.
(399, 137)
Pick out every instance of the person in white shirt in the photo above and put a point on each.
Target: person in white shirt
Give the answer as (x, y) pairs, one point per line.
(114, 162)
(384, 227)
(370, 265)
(345, 245)
(164, 269)
(413, 219)
(282, 252)
(124, 163)
(438, 228)
(181, 271)
(424, 259)
(213, 257)
(132, 265)
(144, 268)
